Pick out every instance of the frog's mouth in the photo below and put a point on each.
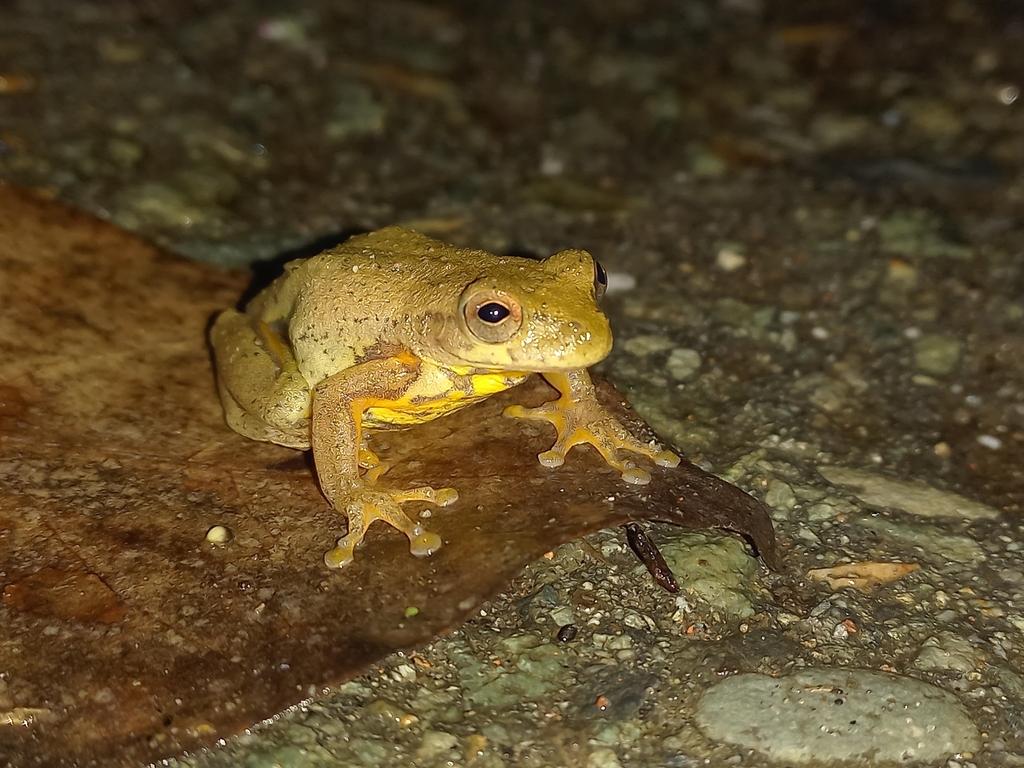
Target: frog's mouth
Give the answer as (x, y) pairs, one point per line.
(531, 352)
(540, 344)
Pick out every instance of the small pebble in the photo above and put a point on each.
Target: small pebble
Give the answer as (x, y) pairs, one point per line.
(435, 745)
(730, 259)
(567, 633)
(219, 534)
(682, 364)
(936, 353)
(990, 441)
(647, 344)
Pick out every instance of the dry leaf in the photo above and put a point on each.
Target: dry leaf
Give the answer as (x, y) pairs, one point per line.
(71, 596)
(129, 637)
(863, 576)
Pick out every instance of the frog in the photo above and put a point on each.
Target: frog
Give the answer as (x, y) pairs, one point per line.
(393, 328)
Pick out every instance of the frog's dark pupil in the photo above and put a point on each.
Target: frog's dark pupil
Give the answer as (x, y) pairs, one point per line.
(492, 312)
(602, 276)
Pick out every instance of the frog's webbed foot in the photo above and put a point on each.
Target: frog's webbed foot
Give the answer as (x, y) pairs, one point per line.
(588, 422)
(369, 461)
(363, 505)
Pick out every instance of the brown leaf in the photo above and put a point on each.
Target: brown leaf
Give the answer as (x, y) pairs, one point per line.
(862, 576)
(115, 463)
(74, 596)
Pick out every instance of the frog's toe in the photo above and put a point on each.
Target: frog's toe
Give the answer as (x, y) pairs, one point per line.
(636, 476)
(367, 458)
(342, 554)
(666, 459)
(372, 474)
(445, 496)
(517, 412)
(442, 497)
(423, 543)
(551, 459)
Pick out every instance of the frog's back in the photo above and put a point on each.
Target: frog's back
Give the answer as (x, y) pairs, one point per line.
(347, 304)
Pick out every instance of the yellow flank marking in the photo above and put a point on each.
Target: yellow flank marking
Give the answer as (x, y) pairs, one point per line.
(485, 384)
(412, 408)
(274, 344)
(408, 358)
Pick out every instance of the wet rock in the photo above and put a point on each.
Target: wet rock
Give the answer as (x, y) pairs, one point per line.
(835, 130)
(780, 497)
(575, 195)
(933, 118)
(156, 204)
(638, 73)
(946, 651)
(913, 497)
(733, 312)
(830, 396)
(717, 570)
(355, 113)
(918, 234)
(435, 745)
(206, 184)
(603, 757)
(125, 152)
(901, 275)
(683, 363)
(367, 751)
(647, 344)
(119, 51)
(705, 164)
(532, 669)
(937, 353)
(822, 715)
(289, 755)
(828, 508)
(614, 694)
(928, 539)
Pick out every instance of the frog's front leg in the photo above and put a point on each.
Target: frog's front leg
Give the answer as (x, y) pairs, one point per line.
(579, 418)
(338, 451)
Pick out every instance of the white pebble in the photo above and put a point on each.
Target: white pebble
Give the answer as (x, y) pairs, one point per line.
(990, 441)
(219, 534)
(730, 259)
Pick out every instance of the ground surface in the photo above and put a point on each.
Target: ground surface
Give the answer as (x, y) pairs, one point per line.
(812, 217)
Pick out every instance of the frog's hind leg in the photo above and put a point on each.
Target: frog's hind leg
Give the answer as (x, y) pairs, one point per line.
(264, 395)
(339, 452)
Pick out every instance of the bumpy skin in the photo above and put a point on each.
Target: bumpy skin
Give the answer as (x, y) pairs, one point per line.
(394, 328)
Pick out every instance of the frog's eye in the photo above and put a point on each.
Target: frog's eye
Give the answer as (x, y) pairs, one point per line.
(600, 280)
(492, 316)
(493, 312)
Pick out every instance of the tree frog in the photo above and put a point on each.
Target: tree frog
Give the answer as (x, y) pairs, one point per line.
(394, 328)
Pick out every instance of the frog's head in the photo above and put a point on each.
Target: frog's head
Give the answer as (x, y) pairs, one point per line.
(524, 315)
